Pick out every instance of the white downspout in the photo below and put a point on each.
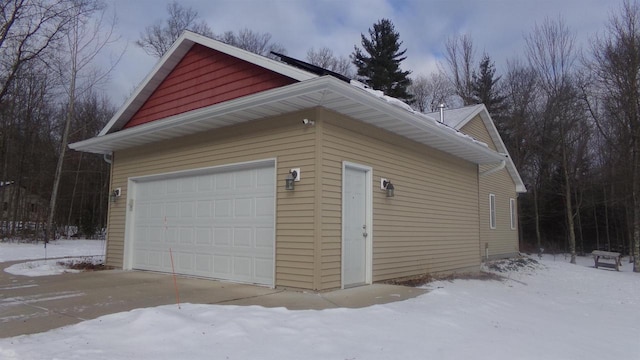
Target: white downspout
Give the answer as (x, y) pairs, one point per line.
(108, 158)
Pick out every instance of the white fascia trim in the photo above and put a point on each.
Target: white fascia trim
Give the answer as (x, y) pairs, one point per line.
(322, 83)
(171, 58)
(477, 110)
(451, 134)
(497, 139)
(153, 79)
(268, 96)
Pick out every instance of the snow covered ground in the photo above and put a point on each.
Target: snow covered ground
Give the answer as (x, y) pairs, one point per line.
(10, 251)
(56, 253)
(552, 311)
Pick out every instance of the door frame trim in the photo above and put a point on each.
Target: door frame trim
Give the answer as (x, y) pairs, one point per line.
(368, 219)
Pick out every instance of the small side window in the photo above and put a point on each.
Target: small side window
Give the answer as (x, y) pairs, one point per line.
(492, 211)
(512, 211)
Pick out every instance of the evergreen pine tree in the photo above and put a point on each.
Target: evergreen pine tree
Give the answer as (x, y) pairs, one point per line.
(379, 65)
(485, 87)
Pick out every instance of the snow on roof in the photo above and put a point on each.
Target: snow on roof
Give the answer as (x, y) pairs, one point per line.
(423, 117)
(136, 136)
(457, 118)
(454, 117)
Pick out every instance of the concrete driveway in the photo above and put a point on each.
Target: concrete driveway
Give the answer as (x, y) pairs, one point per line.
(35, 304)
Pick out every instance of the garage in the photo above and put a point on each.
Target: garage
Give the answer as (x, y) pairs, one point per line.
(217, 223)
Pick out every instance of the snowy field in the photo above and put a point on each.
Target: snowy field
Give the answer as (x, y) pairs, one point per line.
(554, 310)
(67, 251)
(10, 251)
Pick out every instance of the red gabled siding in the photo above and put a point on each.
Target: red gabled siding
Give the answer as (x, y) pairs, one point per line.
(202, 78)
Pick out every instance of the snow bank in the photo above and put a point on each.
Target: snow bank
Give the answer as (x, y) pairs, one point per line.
(543, 313)
(11, 251)
(51, 266)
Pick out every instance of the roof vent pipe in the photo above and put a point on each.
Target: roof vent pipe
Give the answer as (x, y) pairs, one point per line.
(441, 108)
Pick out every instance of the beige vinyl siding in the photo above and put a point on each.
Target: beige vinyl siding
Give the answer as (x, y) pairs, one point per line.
(501, 241)
(476, 128)
(282, 138)
(431, 225)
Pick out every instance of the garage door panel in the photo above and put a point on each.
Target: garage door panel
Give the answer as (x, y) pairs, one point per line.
(186, 235)
(170, 236)
(242, 267)
(242, 237)
(222, 236)
(204, 236)
(186, 185)
(184, 262)
(186, 209)
(242, 207)
(264, 207)
(169, 210)
(218, 225)
(155, 234)
(223, 208)
(223, 182)
(154, 258)
(264, 179)
(244, 179)
(263, 266)
(203, 209)
(204, 183)
(204, 264)
(264, 238)
(222, 266)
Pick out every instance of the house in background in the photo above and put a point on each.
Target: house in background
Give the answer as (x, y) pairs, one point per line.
(21, 209)
(251, 170)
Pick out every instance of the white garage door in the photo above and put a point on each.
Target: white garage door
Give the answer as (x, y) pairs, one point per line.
(218, 225)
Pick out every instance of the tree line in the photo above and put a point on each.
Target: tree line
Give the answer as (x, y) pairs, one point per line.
(568, 116)
(48, 98)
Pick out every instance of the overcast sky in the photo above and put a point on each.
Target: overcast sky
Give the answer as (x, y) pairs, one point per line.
(496, 26)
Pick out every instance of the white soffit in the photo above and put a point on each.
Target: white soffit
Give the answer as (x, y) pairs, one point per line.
(326, 91)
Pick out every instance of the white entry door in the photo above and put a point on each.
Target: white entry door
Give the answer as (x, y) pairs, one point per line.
(355, 227)
(218, 224)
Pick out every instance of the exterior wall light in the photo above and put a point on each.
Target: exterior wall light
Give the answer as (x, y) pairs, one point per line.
(115, 194)
(292, 177)
(388, 186)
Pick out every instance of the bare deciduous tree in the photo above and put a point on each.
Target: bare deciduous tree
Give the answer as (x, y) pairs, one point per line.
(460, 57)
(431, 91)
(28, 28)
(158, 38)
(550, 49)
(325, 58)
(86, 39)
(258, 43)
(613, 96)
